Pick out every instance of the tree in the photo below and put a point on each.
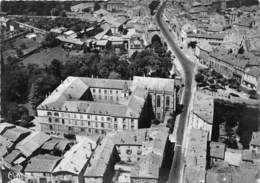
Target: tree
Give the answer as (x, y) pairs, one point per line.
(253, 94)
(199, 78)
(50, 40)
(114, 75)
(153, 5)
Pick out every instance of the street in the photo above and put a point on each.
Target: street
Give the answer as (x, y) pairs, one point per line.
(188, 71)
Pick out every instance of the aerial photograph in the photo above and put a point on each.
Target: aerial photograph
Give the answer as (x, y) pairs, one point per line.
(130, 91)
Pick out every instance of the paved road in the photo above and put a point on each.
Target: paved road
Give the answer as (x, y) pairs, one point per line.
(188, 68)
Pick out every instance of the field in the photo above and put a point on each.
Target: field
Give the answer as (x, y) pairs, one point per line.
(45, 56)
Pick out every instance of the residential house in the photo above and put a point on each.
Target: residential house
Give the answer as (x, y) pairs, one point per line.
(251, 78)
(75, 161)
(233, 157)
(195, 169)
(29, 145)
(83, 7)
(255, 142)
(115, 5)
(39, 168)
(202, 52)
(201, 116)
(217, 152)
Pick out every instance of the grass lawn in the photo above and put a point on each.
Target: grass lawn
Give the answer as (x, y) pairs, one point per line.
(45, 56)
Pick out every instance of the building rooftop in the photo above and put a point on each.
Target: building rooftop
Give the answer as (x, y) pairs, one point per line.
(4, 126)
(32, 143)
(159, 84)
(196, 156)
(14, 134)
(233, 157)
(217, 150)
(203, 106)
(12, 156)
(76, 158)
(255, 140)
(42, 164)
(5, 144)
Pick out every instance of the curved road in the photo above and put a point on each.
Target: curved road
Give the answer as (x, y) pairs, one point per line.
(188, 68)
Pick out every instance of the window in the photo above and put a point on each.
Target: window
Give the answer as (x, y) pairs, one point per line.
(99, 97)
(102, 125)
(50, 120)
(132, 127)
(117, 98)
(99, 91)
(167, 101)
(105, 91)
(105, 97)
(158, 101)
(56, 120)
(75, 115)
(94, 90)
(124, 126)
(111, 91)
(103, 131)
(76, 123)
(62, 121)
(82, 130)
(158, 116)
(96, 131)
(56, 114)
(108, 118)
(49, 113)
(115, 126)
(88, 123)
(88, 116)
(51, 127)
(139, 151)
(116, 91)
(129, 151)
(111, 97)
(102, 118)
(81, 116)
(96, 124)
(82, 123)
(96, 118)
(115, 119)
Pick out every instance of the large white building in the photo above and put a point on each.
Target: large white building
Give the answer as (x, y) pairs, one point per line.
(96, 106)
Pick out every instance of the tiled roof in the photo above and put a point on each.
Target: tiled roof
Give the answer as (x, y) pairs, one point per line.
(13, 155)
(76, 158)
(4, 126)
(14, 134)
(159, 84)
(196, 156)
(217, 150)
(233, 156)
(32, 142)
(203, 107)
(42, 164)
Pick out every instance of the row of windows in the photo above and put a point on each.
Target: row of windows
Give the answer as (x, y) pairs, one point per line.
(96, 118)
(105, 91)
(99, 97)
(158, 101)
(83, 123)
(71, 130)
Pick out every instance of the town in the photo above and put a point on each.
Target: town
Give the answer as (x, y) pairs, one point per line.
(130, 91)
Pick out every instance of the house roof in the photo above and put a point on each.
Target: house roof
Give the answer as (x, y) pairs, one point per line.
(150, 83)
(5, 144)
(42, 164)
(203, 107)
(32, 142)
(196, 156)
(14, 134)
(12, 156)
(4, 126)
(255, 140)
(233, 156)
(217, 150)
(76, 158)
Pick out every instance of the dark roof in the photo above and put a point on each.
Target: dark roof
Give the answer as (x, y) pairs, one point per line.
(42, 163)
